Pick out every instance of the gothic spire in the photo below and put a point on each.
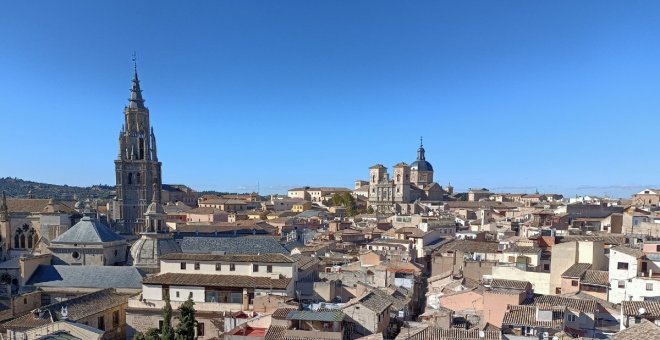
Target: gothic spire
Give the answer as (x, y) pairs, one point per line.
(135, 101)
(420, 151)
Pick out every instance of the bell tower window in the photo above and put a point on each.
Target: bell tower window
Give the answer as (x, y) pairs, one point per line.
(130, 178)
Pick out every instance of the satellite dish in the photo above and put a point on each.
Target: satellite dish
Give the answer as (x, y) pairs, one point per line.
(482, 334)
(642, 310)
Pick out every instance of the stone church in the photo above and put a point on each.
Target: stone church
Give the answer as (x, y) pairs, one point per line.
(408, 185)
(137, 169)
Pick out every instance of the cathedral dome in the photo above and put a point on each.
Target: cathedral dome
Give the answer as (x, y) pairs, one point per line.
(146, 251)
(421, 164)
(155, 208)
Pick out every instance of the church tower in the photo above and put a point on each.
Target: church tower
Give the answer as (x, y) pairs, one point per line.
(137, 169)
(421, 171)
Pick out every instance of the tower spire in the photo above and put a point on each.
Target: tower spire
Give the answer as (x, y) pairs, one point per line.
(420, 151)
(135, 101)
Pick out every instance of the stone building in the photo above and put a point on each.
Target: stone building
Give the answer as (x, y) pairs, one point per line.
(409, 183)
(155, 239)
(27, 225)
(138, 171)
(89, 243)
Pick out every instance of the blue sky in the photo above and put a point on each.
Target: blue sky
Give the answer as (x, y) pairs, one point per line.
(509, 95)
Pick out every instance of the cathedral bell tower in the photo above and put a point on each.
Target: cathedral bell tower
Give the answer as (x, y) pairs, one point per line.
(137, 169)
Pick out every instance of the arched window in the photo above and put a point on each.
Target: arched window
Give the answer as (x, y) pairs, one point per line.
(373, 179)
(141, 148)
(398, 177)
(137, 178)
(16, 241)
(31, 239)
(22, 237)
(130, 178)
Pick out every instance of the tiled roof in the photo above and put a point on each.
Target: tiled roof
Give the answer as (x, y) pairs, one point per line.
(576, 270)
(375, 302)
(651, 308)
(281, 313)
(436, 333)
(510, 284)
(208, 280)
(586, 306)
(86, 277)
(88, 230)
(523, 249)
(646, 330)
(607, 239)
(32, 205)
(596, 277)
(469, 246)
(263, 258)
(305, 262)
(629, 251)
(276, 333)
(234, 245)
(526, 316)
(78, 308)
(305, 315)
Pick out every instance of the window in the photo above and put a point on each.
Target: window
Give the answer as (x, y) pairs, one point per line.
(183, 265)
(622, 265)
(218, 266)
(269, 269)
(622, 284)
(115, 319)
(657, 248)
(177, 293)
(571, 317)
(160, 325)
(232, 267)
(130, 178)
(546, 267)
(236, 298)
(196, 265)
(200, 329)
(101, 323)
(255, 268)
(574, 283)
(649, 287)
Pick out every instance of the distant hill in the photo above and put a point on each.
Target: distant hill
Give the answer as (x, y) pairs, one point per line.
(18, 188)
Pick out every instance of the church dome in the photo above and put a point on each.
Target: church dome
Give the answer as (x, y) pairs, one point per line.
(421, 164)
(146, 251)
(155, 208)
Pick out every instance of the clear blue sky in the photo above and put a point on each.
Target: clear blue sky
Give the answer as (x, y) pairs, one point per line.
(516, 95)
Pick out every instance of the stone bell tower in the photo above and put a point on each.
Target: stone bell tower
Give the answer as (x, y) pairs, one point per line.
(137, 169)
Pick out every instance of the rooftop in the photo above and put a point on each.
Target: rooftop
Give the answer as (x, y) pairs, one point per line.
(86, 277)
(262, 258)
(88, 230)
(209, 280)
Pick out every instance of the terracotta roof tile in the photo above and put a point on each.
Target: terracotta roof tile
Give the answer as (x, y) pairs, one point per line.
(576, 270)
(526, 316)
(646, 330)
(651, 308)
(510, 284)
(587, 306)
(262, 258)
(207, 280)
(596, 277)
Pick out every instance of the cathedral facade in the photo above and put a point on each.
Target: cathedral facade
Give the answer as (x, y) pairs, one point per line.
(137, 169)
(408, 185)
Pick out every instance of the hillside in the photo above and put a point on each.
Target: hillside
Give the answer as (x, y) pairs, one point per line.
(15, 187)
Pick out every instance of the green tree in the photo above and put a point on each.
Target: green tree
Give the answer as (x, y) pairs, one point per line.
(167, 332)
(150, 334)
(185, 330)
(346, 200)
(370, 210)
